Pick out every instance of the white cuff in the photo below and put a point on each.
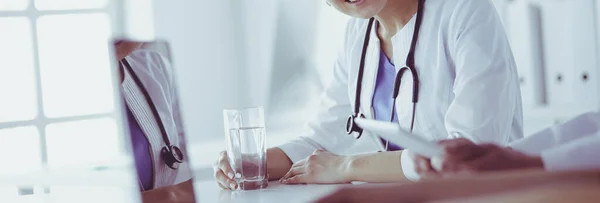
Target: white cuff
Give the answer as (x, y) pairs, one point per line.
(408, 166)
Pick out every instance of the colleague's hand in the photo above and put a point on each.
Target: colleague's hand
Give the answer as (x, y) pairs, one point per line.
(320, 168)
(487, 157)
(464, 157)
(423, 167)
(223, 172)
(456, 151)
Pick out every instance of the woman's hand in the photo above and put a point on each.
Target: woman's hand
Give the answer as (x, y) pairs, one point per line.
(321, 168)
(223, 172)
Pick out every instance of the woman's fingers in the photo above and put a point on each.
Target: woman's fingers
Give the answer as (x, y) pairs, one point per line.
(294, 170)
(297, 179)
(224, 165)
(222, 186)
(223, 172)
(224, 181)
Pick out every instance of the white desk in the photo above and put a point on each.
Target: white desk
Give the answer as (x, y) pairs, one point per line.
(115, 186)
(209, 192)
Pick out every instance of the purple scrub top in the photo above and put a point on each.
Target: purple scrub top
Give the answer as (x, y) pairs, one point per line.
(141, 151)
(382, 97)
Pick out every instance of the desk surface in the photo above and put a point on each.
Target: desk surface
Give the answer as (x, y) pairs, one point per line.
(208, 191)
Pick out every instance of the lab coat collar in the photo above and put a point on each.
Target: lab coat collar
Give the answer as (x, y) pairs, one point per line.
(370, 74)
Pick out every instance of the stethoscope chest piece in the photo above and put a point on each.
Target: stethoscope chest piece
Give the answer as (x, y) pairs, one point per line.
(352, 128)
(172, 156)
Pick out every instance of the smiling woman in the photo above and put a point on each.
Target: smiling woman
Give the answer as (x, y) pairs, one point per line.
(463, 78)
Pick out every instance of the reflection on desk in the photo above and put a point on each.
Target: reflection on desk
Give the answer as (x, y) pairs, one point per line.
(208, 191)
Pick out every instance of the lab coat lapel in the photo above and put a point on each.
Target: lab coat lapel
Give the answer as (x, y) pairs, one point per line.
(370, 75)
(369, 80)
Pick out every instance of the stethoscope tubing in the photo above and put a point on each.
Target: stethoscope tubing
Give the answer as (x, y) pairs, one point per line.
(351, 127)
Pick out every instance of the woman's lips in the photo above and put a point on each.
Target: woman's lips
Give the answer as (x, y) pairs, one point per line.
(355, 2)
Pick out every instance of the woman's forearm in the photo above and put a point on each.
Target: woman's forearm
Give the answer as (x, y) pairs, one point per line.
(278, 163)
(383, 167)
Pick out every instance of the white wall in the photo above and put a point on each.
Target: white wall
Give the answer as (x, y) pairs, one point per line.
(258, 24)
(204, 43)
(295, 81)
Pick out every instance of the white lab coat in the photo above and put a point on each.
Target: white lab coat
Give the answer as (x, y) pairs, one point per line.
(468, 82)
(154, 72)
(573, 145)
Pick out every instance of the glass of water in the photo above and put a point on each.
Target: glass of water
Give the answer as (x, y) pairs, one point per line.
(246, 147)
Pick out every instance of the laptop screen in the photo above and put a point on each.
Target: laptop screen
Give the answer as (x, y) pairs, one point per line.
(151, 116)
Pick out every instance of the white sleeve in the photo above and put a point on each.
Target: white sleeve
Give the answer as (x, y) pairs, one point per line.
(487, 97)
(327, 130)
(582, 125)
(580, 154)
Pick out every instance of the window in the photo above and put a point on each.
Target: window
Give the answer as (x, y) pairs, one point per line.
(58, 101)
(95, 142)
(17, 79)
(77, 79)
(69, 4)
(13, 5)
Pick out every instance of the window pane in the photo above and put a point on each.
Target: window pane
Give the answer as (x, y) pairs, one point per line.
(13, 5)
(68, 4)
(75, 66)
(93, 194)
(20, 147)
(83, 143)
(17, 81)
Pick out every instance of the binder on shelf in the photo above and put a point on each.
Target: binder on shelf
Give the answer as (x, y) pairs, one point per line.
(585, 64)
(524, 31)
(558, 51)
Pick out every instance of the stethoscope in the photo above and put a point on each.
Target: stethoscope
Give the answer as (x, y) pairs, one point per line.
(171, 154)
(351, 127)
